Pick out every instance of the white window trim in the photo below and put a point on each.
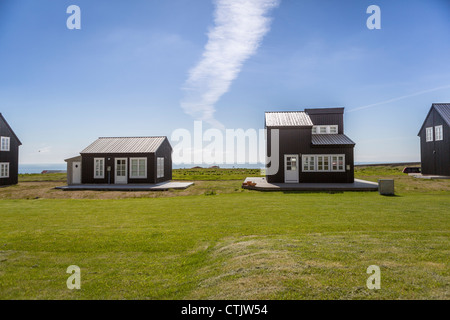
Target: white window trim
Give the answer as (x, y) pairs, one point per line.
(429, 134)
(159, 167)
(309, 156)
(102, 176)
(316, 129)
(439, 133)
(323, 164)
(330, 161)
(8, 143)
(2, 165)
(131, 169)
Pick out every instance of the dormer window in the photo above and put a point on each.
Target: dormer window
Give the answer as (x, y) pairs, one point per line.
(4, 143)
(333, 129)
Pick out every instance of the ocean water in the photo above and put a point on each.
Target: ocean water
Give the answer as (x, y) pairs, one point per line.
(38, 168)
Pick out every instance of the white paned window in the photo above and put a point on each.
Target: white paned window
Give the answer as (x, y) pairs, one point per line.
(429, 134)
(324, 163)
(138, 168)
(325, 129)
(438, 134)
(4, 143)
(333, 129)
(4, 170)
(99, 168)
(160, 167)
(308, 163)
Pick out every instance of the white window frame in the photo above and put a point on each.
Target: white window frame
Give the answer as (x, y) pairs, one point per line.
(307, 158)
(333, 127)
(101, 170)
(307, 161)
(5, 143)
(327, 129)
(322, 168)
(4, 169)
(439, 133)
(160, 167)
(134, 176)
(429, 134)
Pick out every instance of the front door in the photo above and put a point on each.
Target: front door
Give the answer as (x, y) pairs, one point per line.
(76, 172)
(121, 171)
(291, 168)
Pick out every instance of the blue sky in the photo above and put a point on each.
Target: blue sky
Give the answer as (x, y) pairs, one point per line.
(125, 72)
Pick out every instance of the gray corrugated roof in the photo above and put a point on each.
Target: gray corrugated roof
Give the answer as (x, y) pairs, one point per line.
(288, 119)
(76, 158)
(331, 139)
(444, 110)
(125, 145)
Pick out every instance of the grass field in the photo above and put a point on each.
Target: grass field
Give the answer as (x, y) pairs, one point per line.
(217, 241)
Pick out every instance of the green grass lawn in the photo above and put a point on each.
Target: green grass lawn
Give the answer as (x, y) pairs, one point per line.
(214, 174)
(232, 245)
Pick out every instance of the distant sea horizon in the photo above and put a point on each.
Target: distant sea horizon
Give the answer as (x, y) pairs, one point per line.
(27, 168)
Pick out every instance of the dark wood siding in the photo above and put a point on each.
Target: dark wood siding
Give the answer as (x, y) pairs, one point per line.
(87, 168)
(435, 155)
(335, 116)
(298, 141)
(11, 156)
(165, 151)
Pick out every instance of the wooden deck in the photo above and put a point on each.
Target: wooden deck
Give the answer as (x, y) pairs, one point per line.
(358, 185)
(433, 177)
(163, 186)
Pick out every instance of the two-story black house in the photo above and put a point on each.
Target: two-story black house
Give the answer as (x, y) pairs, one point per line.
(9, 154)
(435, 141)
(312, 147)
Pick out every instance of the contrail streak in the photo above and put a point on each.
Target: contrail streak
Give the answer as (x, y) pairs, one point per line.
(239, 29)
(399, 98)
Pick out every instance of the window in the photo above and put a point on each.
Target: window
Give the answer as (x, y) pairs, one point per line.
(4, 143)
(159, 167)
(438, 134)
(429, 134)
(333, 129)
(291, 163)
(99, 168)
(4, 170)
(138, 168)
(323, 163)
(308, 163)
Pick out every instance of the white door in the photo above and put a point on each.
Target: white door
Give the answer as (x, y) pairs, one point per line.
(291, 168)
(76, 172)
(121, 171)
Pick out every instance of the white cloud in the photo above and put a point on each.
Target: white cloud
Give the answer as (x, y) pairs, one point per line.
(239, 29)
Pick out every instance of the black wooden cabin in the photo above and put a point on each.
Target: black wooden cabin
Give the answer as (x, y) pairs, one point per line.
(9, 154)
(435, 141)
(127, 160)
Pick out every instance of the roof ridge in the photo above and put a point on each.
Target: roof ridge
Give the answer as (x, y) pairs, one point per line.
(138, 137)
